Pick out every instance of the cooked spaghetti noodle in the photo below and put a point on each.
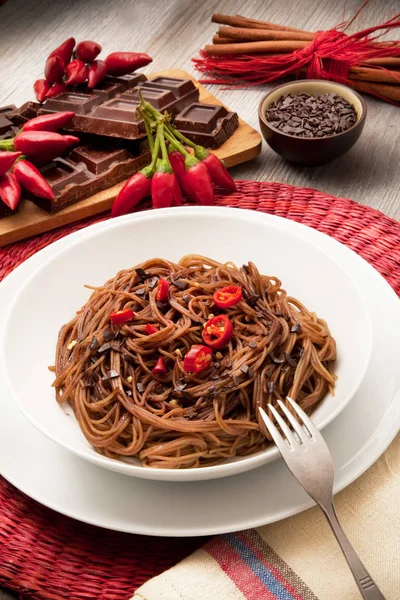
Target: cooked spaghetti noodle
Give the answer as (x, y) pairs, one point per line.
(180, 419)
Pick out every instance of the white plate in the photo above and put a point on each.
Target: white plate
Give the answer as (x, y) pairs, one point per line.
(71, 486)
(52, 295)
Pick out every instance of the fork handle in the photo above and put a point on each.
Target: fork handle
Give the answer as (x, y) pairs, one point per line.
(367, 586)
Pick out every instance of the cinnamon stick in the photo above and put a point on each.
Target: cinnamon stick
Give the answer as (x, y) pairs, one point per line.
(386, 61)
(392, 92)
(239, 21)
(221, 40)
(255, 47)
(242, 34)
(376, 75)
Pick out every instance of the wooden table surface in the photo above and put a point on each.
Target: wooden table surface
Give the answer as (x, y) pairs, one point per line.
(172, 32)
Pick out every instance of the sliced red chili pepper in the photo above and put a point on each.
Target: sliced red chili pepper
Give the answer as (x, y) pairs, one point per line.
(228, 296)
(160, 368)
(197, 359)
(150, 329)
(217, 332)
(122, 316)
(162, 290)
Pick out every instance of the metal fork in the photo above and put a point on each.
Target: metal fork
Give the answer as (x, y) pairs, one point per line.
(307, 456)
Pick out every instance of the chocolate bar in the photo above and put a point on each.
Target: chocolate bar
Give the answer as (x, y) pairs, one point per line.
(208, 125)
(112, 109)
(83, 170)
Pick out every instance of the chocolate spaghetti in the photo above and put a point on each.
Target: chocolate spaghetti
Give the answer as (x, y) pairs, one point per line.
(175, 416)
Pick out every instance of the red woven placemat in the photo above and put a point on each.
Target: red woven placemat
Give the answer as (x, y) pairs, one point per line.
(44, 555)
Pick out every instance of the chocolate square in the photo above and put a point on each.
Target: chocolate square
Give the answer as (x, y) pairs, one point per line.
(128, 81)
(60, 173)
(157, 97)
(179, 87)
(118, 110)
(80, 104)
(98, 159)
(200, 117)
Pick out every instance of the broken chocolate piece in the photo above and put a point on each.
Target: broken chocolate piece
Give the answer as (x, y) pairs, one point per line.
(206, 124)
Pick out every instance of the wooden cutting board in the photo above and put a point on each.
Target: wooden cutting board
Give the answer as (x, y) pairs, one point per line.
(30, 220)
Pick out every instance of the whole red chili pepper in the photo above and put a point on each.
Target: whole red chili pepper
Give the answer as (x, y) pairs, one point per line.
(218, 172)
(177, 161)
(165, 190)
(198, 182)
(32, 180)
(163, 185)
(87, 51)
(76, 72)
(56, 90)
(136, 188)
(54, 69)
(122, 63)
(64, 50)
(51, 122)
(97, 72)
(10, 190)
(41, 87)
(39, 143)
(7, 159)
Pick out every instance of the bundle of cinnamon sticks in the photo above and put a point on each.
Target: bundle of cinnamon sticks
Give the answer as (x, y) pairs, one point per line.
(238, 35)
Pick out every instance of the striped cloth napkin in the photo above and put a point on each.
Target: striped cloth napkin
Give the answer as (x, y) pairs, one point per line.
(298, 558)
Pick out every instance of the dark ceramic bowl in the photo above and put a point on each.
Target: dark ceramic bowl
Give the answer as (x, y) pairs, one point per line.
(312, 151)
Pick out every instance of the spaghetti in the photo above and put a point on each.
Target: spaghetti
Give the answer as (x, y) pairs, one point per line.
(129, 380)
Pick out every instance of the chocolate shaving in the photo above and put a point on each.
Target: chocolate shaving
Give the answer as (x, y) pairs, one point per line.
(180, 388)
(181, 285)
(152, 282)
(142, 274)
(289, 359)
(116, 346)
(129, 359)
(95, 344)
(162, 305)
(104, 348)
(275, 359)
(108, 335)
(112, 374)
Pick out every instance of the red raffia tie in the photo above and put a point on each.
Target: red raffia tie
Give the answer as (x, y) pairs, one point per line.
(329, 56)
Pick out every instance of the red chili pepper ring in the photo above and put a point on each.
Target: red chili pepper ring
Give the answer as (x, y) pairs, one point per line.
(228, 296)
(217, 332)
(197, 359)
